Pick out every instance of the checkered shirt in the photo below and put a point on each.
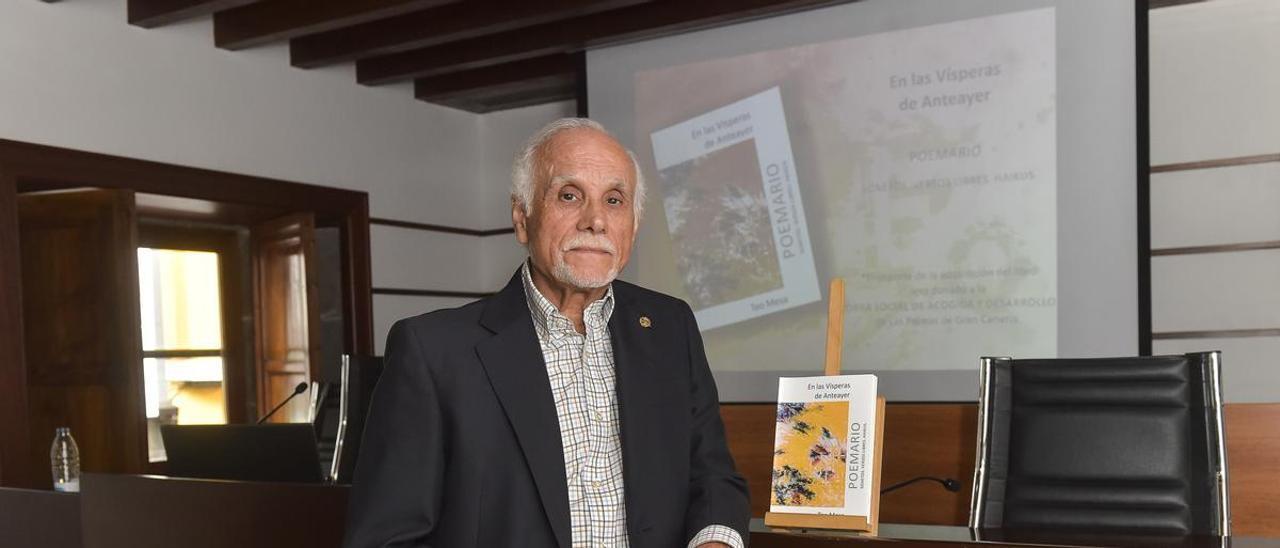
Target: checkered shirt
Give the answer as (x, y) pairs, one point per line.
(581, 370)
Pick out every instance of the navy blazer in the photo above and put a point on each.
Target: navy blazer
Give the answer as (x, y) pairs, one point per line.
(462, 444)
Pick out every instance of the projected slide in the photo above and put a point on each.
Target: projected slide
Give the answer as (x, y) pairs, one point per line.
(917, 164)
(734, 211)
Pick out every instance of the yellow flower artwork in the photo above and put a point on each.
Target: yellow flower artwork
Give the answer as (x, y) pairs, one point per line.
(809, 454)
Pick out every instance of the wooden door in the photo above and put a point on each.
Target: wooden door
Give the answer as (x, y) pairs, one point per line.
(286, 341)
(81, 326)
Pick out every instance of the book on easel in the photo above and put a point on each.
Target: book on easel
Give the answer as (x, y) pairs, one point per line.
(828, 440)
(824, 457)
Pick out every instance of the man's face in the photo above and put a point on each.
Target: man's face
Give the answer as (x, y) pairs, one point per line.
(581, 222)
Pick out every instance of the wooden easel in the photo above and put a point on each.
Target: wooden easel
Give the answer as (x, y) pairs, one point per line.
(869, 524)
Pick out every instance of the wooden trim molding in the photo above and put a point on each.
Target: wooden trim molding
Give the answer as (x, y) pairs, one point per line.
(430, 293)
(1216, 334)
(439, 228)
(1217, 162)
(1218, 248)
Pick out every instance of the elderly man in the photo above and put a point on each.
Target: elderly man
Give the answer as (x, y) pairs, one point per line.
(569, 409)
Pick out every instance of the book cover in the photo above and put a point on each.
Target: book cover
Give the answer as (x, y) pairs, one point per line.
(734, 212)
(824, 445)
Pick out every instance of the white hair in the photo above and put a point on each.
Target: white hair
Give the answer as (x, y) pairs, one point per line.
(522, 169)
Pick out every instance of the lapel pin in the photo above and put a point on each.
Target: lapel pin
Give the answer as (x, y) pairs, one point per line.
(645, 322)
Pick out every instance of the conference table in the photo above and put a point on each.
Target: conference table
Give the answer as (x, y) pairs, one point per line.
(895, 535)
(119, 511)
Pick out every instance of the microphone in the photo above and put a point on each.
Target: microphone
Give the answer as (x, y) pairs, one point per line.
(302, 387)
(947, 483)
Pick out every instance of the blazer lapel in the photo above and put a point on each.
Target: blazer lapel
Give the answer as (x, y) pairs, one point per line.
(513, 361)
(634, 346)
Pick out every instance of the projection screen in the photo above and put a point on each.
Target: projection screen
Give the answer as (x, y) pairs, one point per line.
(969, 168)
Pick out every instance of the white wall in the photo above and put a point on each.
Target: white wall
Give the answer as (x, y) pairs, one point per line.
(1214, 84)
(76, 75)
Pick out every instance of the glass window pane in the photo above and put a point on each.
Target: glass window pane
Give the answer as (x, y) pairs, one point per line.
(179, 299)
(182, 391)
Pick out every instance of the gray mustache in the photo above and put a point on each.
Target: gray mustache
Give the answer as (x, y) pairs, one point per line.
(590, 242)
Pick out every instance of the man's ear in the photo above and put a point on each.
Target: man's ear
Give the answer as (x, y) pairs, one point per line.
(518, 219)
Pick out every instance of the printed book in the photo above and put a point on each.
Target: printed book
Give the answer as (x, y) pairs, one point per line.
(824, 445)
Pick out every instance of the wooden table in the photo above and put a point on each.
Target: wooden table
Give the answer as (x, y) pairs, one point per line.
(117, 511)
(940, 536)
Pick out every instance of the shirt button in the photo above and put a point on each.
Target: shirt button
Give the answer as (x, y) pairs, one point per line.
(599, 416)
(595, 485)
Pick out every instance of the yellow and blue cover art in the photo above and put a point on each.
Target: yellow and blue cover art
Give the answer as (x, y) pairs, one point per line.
(823, 443)
(809, 456)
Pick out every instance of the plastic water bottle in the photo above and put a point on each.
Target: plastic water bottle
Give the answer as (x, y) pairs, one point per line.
(65, 458)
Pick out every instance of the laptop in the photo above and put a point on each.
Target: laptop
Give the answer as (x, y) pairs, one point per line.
(246, 452)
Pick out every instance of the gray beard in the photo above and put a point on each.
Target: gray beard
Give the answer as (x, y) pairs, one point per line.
(565, 274)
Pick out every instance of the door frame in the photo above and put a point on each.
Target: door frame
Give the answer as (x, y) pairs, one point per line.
(26, 167)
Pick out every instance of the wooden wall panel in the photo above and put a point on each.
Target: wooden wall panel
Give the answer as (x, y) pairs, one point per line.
(82, 337)
(1253, 452)
(15, 466)
(928, 440)
(938, 440)
(749, 430)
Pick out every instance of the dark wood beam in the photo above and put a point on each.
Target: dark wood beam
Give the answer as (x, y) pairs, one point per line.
(481, 104)
(271, 20)
(437, 26)
(646, 21)
(154, 13)
(511, 85)
(498, 78)
(1153, 4)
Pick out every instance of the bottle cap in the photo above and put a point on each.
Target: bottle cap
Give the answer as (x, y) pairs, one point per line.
(62, 430)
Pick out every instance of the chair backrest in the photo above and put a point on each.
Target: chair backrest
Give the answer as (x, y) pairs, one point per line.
(326, 407)
(359, 376)
(1132, 444)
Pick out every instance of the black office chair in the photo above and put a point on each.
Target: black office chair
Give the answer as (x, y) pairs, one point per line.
(1113, 444)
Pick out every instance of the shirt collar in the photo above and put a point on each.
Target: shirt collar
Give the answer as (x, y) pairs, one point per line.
(551, 325)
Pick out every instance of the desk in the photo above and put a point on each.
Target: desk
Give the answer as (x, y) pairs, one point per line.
(117, 511)
(120, 511)
(39, 519)
(942, 536)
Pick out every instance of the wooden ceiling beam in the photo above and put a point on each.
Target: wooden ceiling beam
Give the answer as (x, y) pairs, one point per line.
(271, 20)
(509, 78)
(646, 21)
(534, 93)
(511, 85)
(436, 26)
(154, 13)
(1155, 4)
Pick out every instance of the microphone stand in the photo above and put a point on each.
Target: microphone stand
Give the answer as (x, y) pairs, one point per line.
(302, 387)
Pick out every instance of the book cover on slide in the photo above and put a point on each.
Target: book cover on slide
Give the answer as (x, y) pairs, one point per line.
(734, 213)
